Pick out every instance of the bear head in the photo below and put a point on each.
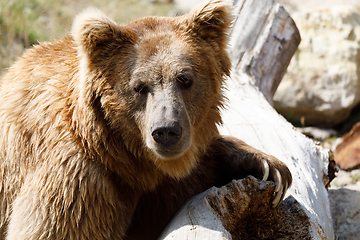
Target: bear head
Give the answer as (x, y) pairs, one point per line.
(157, 80)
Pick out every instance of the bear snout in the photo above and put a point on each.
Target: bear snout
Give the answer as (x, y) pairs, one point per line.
(167, 122)
(167, 133)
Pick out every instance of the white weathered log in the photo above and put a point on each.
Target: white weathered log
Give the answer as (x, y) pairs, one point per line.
(260, 53)
(196, 220)
(240, 210)
(263, 41)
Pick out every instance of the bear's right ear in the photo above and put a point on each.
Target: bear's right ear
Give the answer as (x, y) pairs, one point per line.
(92, 31)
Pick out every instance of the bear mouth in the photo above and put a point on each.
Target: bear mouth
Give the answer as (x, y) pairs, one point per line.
(170, 152)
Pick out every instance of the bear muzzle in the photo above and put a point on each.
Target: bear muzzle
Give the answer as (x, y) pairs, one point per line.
(169, 129)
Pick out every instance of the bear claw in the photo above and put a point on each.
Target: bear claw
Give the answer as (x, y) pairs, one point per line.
(279, 190)
(266, 170)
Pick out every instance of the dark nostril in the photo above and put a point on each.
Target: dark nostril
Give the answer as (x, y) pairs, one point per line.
(167, 135)
(173, 134)
(159, 134)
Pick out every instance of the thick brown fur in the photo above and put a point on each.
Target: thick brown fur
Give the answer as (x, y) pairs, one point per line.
(79, 156)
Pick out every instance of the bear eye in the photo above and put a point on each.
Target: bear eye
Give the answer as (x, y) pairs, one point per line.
(185, 79)
(140, 88)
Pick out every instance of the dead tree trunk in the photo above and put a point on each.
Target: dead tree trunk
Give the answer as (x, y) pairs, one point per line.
(263, 41)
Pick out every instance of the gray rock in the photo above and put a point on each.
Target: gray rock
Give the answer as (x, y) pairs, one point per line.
(348, 179)
(322, 84)
(317, 133)
(345, 210)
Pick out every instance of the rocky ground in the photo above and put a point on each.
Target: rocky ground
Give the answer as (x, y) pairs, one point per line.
(347, 179)
(344, 196)
(344, 190)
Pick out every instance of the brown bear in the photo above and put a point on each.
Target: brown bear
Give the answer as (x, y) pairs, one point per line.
(106, 132)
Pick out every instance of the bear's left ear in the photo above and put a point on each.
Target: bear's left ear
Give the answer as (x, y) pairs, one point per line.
(212, 21)
(93, 31)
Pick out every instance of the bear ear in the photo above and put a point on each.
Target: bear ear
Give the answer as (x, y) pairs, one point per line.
(212, 21)
(93, 30)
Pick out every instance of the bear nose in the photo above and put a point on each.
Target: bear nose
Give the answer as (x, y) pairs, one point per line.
(167, 134)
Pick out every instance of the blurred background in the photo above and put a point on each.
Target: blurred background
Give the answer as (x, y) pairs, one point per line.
(27, 22)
